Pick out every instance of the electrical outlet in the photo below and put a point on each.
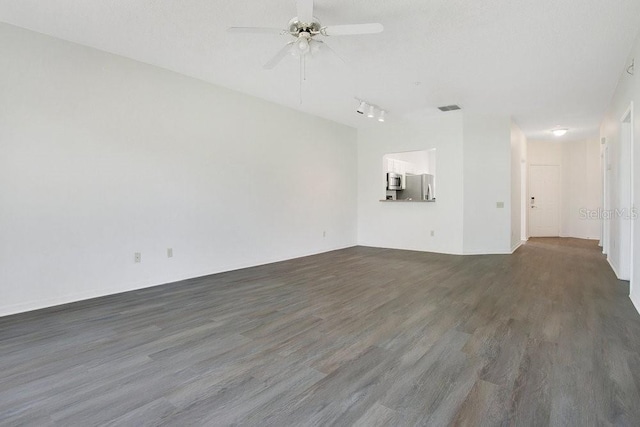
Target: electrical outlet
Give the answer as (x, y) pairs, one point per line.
(500, 205)
(433, 233)
(137, 257)
(170, 253)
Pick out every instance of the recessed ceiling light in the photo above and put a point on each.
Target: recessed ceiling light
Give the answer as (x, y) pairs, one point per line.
(560, 132)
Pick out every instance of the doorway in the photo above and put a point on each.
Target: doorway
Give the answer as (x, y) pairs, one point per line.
(544, 200)
(621, 232)
(627, 185)
(606, 203)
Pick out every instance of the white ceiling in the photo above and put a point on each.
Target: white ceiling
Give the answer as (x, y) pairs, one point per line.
(546, 62)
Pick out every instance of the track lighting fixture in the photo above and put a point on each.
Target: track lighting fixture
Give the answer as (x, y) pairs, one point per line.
(371, 110)
(560, 131)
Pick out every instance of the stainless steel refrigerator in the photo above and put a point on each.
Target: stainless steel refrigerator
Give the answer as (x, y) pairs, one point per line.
(418, 187)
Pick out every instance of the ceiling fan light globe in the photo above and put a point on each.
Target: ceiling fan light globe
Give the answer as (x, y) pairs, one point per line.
(303, 45)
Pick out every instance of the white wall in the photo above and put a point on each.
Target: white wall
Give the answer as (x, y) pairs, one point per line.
(544, 153)
(581, 188)
(487, 181)
(101, 157)
(518, 186)
(473, 155)
(408, 225)
(617, 244)
(627, 91)
(580, 182)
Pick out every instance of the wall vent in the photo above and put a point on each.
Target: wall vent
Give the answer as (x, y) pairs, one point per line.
(449, 108)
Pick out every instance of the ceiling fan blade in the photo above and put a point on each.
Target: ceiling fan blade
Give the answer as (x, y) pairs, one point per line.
(305, 10)
(278, 57)
(322, 46)
(351, 30)
(255, 30)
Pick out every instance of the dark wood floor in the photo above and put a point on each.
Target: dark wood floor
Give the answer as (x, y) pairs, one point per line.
(360, 336)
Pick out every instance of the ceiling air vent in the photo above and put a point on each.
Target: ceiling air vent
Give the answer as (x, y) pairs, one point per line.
(449, 108)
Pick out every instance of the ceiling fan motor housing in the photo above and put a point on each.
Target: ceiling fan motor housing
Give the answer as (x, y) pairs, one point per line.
(296, 27)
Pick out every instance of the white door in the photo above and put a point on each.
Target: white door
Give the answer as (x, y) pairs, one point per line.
(544, 201)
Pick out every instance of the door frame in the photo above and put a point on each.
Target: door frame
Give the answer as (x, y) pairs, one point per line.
(606, 197)
(528, 201)
(626, 126)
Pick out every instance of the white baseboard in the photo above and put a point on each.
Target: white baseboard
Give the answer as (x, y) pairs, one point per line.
(497, 252)
(636, 302)
(613, 267)
(509, 252)
(517, 245)
(616, 272)
(399, 248)
(39, 304)
(579, 237)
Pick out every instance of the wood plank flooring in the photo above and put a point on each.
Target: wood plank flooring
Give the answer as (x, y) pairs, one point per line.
(360, 336)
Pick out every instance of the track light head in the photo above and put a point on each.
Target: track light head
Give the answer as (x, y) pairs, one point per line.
(371, 112)
(361, 108)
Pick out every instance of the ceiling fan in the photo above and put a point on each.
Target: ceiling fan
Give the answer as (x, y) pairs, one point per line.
(304, 28)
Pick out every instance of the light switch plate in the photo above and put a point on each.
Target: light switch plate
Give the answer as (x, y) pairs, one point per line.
(500, 205)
